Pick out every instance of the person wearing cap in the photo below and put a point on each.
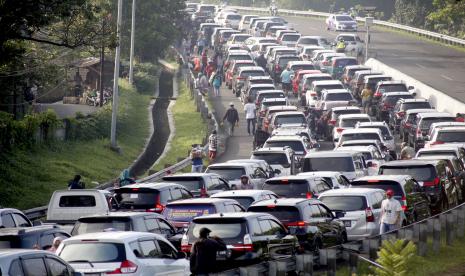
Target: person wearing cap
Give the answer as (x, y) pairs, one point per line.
(56, 242)
(390, 213)
(245, 183)
(203, 253)
(406, 152)
(196, 156)
(232, 117)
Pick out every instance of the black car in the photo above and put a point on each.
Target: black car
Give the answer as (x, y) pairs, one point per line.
(432, 177)
(150, 197)
(279, 64)
(309, 219)
(128, 221)
(418, 133)
(31, 237)
(250, 237)
(406, 190)
(294, 186)
(386, 103)
(199, 184)
(398, 112)
(10, 217)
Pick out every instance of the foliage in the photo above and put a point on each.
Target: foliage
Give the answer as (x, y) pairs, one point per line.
(145, 77)
(395, 256)
(448, 17)
(412, 12)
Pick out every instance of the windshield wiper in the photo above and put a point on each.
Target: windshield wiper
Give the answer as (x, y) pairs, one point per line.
(82, 261)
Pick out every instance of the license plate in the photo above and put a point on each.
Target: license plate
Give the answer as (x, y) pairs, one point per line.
(347, 223)
(221, 255)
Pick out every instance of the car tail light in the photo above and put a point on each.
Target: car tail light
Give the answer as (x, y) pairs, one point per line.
(247, 246)
(313, 94)
(325, 63)
(276, 67)
(419, 134)
(309, 195)
(158, 207)
(435, 182)
(339, 129)
(332, 122)
(437, 143)
(296, 224)
(203, 192)
(185, 246)
(378, 94)
(404, 204)
(408, 125)
(400, 114)
(369, 215)
(126, 267)
(240, 78)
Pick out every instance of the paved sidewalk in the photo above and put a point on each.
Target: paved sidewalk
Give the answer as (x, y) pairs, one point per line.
(238, 146)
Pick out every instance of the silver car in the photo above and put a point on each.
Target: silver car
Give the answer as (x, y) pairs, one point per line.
(358, 208)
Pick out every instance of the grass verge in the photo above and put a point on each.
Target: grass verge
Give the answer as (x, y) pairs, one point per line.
(190, 128)
(28, 177)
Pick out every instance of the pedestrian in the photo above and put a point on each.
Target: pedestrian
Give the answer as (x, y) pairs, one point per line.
(250, 111)
(56, 242)
(219, 63)
(75, 183)
(200, 45)
(210, 69)
(366, 95)
(390, 213)
(204, 60)
(245, 183)
(212, 145)
(261, 60)
(216, 83)
(196, 156)
(197, 65)
(232, 117)
(286, 79)
(406, 152)
(125, 178)
(203, 253)
(203, 84)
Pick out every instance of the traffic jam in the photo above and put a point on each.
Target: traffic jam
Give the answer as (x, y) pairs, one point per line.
(329, 148)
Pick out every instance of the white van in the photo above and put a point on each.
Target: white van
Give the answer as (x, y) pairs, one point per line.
(350, 163)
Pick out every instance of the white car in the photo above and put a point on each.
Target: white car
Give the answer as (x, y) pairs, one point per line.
(354, 45)
(443, 150)
(341, 22)
(306, 52)
(280, 159)
(373, 156)
(246, 197)
(232, 20)
(358, 208)
(347, 121)
(447, 135)
(119, 253)
(233, 172)
(388, 138)
(336, 179)
(312, 41)
(300, 145)
(335, 95)
(350, 163)
(244, 24)
(360, 134)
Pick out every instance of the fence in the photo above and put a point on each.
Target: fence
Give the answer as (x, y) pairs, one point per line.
(432, 35)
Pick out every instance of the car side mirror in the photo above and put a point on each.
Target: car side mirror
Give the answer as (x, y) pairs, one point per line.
(369, 164)
(36, 223)
(410, 88)
(181, 255)
(276, 171)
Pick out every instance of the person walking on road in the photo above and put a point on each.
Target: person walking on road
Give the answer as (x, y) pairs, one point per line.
(203, 84)
(390, 213)
(250, 110)
(212, 145)
(366, 95)
(203, 253)
(197, 158)
(286, 79)
(261, 61)
(217, 83)
(245, 183)
(232, 117)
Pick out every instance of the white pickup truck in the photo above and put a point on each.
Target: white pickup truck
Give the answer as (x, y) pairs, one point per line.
(67, 206)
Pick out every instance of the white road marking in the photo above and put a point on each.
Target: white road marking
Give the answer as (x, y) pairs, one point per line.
(447, 78)
(419, 65)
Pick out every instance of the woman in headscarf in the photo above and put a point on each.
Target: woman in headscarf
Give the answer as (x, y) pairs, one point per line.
(125, 178)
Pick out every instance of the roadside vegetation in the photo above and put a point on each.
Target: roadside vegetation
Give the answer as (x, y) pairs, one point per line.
(30, 175)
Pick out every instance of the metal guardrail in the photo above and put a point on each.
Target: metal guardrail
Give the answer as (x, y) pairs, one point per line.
(433, 35)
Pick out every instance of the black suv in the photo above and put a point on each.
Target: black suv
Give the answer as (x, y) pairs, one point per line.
(199, 184)
(294, 186)
(31, 237)
(150, 197)
(432, 176)
(310, 220)
(398, 112)
(406, 190)
(386, 103)
(128, 221)
(250, 237)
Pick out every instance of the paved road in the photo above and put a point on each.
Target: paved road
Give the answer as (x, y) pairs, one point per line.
(438, 66)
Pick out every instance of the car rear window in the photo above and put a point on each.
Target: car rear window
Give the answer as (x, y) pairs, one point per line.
(234, 16)
(393, 88)
(392, 100)
(94, 225)
(303, 67)
(291, 37)
(271, 96)
(191, 183)
(273, 103)
(339, 97)
(336, 114)
(187, 212)
(284, 61)
(381, 184)
(240, 57)
(93, 251)
(272, 158)
(226, 229)
(420, 173)
(297, 146)
(228, 173)
(289, 119)
(244, 201)
(341, 164)
(359, 136)
(451, 136)
(137, 198)
(309, 41)
(345, 62)
(319, 88)
(426, 122)
(288, 187)
(344, 203)
(344, 18)
(283, 213)
(77, 201)
(415, 105)
(310, 80)
(353, 122)
(240, 38)
(254, 73)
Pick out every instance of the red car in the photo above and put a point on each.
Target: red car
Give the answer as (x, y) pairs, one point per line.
(298, 77)
(233, 68)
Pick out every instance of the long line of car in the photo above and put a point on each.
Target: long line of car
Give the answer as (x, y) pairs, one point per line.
(304, 198)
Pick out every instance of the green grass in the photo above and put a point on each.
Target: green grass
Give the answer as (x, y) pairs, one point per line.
(190, 128)
(28, 177)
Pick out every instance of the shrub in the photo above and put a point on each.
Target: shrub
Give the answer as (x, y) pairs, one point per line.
(395, 257)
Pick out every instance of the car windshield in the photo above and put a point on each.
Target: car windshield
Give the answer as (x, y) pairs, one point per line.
(436, 153)
(289, 119)
(187, 212)
(420, 173)
(94, 225)
(227, 173)
(240, 57)
(345, 62)
(136, 197)
(297, 146)
(256, 73)
(347, 38)
(344, 18)
(272, 158)
(283, 213)
(344, 203)
(426, 122)
(359, 136)
(94, 252)
(244, 201)
(224, 228)
(339, 97)
(341, 164)
(392, 100)
(451, 136)
(288, 188)
(234, 16)
(309, 41)
(352, 122)
(393, 88)
(415, 105)
(291, 37)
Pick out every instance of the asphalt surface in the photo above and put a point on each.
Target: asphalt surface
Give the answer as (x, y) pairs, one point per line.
(436, 65)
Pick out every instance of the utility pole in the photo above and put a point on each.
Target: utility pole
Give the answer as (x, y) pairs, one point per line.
(131, 56)
(116, 78)
(102, 62)
(368, 23)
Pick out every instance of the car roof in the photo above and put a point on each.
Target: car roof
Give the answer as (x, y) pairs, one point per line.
(397, 177)
(350, 191)
(317, 75)
(452, 128)
(198, 200)
(387, 94)
(435, 114)
(300, 62)
(226, 164)
(272, 150)
(244, 215)
(188, 175)
(372, 124)
(353, 116)
(391, 82)
(12, 252)
(420, 110)
(321, 173)
(284, 201)
(411, 162)
(285, 138)
(413, 100)
(367, 141)
(158, 186)
(261, 92)
(241, 193)
(336, 91)
(330, 153)
(358, 66)
(251, 68)
(246, 61)
(344, 57)
(357, 148)
(363, 130)
(282, 107)
(266, 85)
(339, 108)
(114, 236)
(120, 214)
(26, 230)
(260, 78)
(289, 113)
(323, 82)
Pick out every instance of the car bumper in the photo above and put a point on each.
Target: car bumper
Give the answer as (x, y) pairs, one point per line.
(371, 229)
(346, 28)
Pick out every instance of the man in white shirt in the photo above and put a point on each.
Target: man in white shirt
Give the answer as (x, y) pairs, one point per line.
(390, 213)
(249, 109)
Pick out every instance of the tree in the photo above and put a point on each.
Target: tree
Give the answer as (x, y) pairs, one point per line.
(412, 12)
(394, 257)
(448, 17)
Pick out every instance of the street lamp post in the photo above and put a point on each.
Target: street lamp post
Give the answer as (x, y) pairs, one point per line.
(131, 55)
(368, 24)
(116, 77)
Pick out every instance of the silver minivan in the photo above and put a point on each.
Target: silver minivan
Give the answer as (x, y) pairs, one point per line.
(350, 163)
(358, 208)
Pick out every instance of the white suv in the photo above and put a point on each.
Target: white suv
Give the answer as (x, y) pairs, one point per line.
(347, 121)
(282, 159)
(118, 253)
